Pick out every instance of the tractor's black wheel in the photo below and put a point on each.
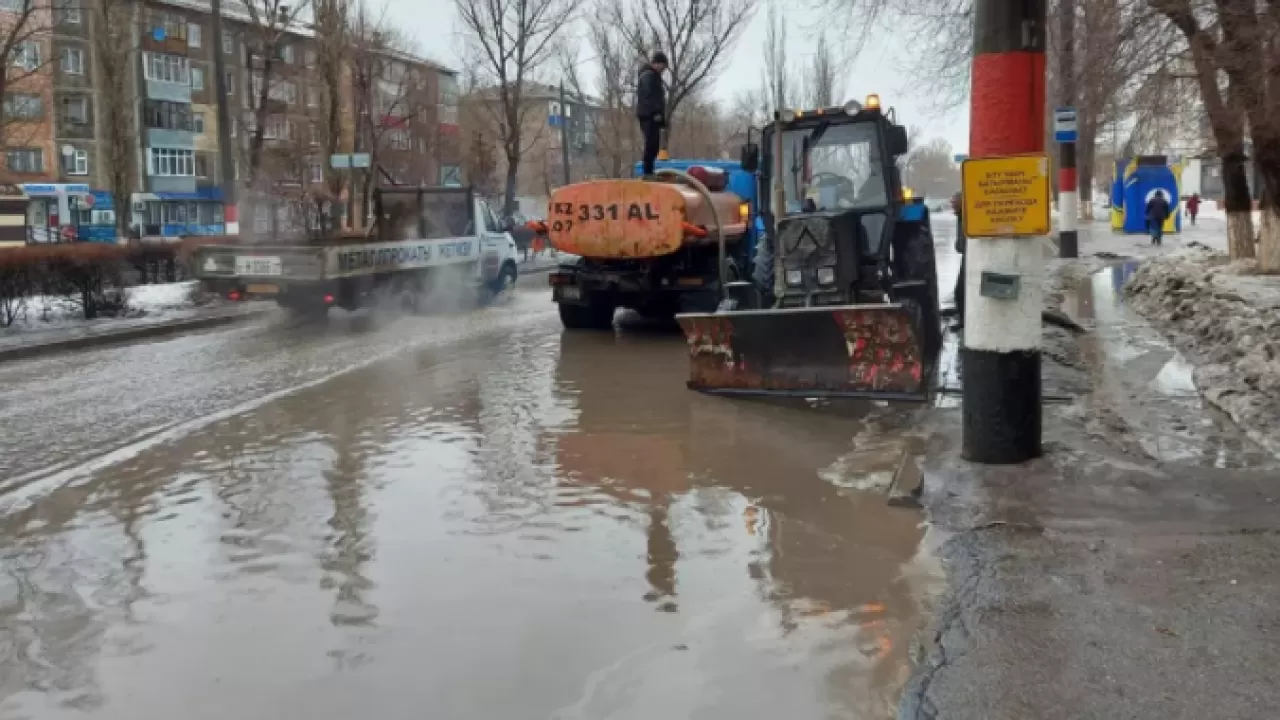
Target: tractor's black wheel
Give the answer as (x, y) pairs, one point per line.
(914, 260)
(586, 317)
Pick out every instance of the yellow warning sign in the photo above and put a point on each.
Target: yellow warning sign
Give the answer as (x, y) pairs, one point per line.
(1006, 196)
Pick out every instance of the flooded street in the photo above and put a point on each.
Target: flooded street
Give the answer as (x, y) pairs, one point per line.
(468, 516)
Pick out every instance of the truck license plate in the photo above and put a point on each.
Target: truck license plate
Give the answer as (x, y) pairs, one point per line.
(569, 292)
(262, 289)
(262, 266)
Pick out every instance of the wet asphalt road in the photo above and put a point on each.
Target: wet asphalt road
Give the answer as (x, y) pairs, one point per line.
(455, 516)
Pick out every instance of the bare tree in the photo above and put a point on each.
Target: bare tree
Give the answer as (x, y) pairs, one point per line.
(617, 134)
(696, 35)
(1216, 46)
(24, 27)
(332, 48)
(931, 170)
(270, 24)
(513, 40)
(777, 79)
(822, 80)
(389, 93)
(113, 45)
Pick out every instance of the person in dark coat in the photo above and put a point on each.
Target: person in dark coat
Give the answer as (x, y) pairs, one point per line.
(651, 107)
(1157, 211)
(957, 206)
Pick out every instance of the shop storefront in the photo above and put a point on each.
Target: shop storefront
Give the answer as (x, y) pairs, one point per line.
(54, 210)
(173, 214)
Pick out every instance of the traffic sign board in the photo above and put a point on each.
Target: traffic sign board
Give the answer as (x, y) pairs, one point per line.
(1006, 196)
(1065, 126)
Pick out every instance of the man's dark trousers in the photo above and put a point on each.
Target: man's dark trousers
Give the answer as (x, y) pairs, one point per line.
(652, 131)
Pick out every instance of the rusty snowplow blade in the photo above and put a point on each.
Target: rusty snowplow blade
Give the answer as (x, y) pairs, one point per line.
(868, 351)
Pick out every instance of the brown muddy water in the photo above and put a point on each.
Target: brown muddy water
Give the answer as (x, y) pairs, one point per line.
(516, 524)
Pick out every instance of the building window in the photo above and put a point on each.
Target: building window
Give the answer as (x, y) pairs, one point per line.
(197, 123)
(278, 128)
(193, 35)
(399, 140)
(75, 110)
(77, 163)
(68, 11)
(72, 61)
(26, 55)
(230, 77)
(25, 160)
(228, 44)
(166, 68)
(315, 170)
(448, 114)
(313, 97)
(171, 162)
(23, 106)
(285, 53)
(197, 78)
(309, 57)
(202, 165)
(164, 115)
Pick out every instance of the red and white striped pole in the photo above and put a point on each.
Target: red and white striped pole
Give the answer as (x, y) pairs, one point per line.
(1068, 199)
(1001, 352)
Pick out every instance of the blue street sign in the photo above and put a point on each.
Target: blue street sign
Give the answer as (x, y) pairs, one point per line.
(959, 158)
(1065, 127)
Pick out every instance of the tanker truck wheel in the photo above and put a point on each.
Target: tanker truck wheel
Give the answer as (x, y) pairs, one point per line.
(592, 316)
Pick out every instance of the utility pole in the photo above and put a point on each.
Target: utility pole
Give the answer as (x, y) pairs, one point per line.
(564, 133)
(1066, 136)
(226, 152)
(1003, 280)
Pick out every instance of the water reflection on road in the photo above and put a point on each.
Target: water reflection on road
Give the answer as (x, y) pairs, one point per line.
(517, 525)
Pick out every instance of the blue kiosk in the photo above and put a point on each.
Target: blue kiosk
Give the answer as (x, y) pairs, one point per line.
(1134, 182)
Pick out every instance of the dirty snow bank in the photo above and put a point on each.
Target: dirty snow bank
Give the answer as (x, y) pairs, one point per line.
(1227, 322)
(43, 312)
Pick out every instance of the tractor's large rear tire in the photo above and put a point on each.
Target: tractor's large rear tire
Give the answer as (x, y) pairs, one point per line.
(586, 317)
(915, 260)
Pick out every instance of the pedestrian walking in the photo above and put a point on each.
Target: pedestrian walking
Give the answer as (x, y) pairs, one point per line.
(651, 108)
(957, 206)
(1193, 207)
(1157, 212)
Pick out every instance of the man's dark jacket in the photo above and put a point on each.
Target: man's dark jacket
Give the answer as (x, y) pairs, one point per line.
(651, 97)
(1157, 209)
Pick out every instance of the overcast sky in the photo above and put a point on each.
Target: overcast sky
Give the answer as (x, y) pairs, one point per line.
(878, 68)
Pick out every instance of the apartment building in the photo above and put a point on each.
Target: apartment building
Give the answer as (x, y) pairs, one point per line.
(547, 125)
(54, 133)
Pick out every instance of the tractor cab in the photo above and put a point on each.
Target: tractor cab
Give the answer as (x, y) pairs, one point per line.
(842, 197)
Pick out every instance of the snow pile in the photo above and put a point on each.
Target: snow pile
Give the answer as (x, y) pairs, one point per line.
(43, 312)
(165, 296)
(1228, 323)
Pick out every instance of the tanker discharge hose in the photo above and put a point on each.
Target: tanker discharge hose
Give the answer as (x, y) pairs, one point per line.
(697, 185)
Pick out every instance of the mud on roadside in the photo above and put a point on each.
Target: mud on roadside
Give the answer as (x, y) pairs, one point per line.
(1227, 321)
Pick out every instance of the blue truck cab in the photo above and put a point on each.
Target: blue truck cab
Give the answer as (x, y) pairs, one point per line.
(741, 183)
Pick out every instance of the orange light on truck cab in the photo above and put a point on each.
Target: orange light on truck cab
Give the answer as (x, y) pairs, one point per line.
(664, 155)
(744, 212)
(873, 102)
(907, 193)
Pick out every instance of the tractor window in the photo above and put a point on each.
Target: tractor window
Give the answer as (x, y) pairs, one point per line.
(834, 167)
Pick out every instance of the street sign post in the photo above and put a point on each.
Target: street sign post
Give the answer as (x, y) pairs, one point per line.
(340, 161)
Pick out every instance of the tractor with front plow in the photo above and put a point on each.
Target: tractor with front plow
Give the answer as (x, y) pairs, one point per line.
(843, 301)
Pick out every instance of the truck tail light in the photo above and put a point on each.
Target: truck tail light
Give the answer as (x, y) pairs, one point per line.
(234, 296)
(328, 299)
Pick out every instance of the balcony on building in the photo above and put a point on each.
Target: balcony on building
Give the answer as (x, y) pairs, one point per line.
(162, 37)
(168, 76)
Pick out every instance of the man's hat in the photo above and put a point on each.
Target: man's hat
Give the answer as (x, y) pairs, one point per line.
(659, 57)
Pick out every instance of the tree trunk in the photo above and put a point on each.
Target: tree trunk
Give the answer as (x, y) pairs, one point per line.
(1266, 164)
(1239, 205)
(509, 193)
(1086, 159)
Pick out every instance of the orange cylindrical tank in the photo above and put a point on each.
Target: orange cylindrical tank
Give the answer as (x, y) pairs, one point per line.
(637, 219)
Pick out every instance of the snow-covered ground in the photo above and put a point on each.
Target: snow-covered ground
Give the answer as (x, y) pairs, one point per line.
(42, 312)
(1227, 321)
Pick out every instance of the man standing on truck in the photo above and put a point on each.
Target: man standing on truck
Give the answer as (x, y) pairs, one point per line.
(651, 108)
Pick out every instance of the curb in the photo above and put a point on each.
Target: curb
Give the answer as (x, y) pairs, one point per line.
(172, 327)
